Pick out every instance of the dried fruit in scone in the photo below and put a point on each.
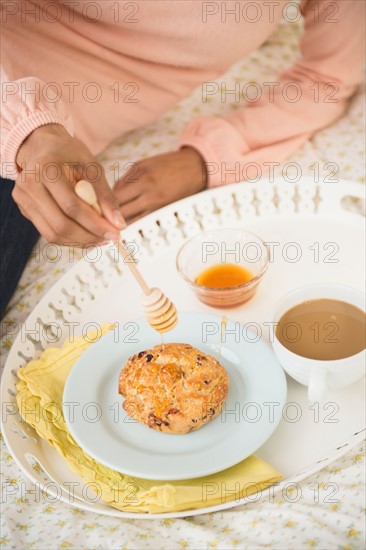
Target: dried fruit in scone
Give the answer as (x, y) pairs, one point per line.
(173, 388)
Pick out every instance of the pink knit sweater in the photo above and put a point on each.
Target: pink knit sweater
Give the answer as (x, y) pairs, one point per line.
(105, 67)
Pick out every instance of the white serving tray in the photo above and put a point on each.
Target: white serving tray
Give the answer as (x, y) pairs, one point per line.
(331, 240)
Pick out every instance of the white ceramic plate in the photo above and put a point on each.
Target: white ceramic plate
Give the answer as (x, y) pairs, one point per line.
(95, 417)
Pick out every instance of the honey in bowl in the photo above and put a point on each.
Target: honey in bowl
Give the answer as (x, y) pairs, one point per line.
(224, 276)
(204, 262)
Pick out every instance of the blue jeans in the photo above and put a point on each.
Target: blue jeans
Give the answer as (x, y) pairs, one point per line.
(17, 239)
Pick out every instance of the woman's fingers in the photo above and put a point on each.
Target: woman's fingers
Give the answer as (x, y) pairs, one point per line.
(109, 203)
(24, 203)
(78, 211)
(131, 197)
(50, 220)
(138, 217)
(134, 208)
(93, 172)
(127, 191)
(58, 161)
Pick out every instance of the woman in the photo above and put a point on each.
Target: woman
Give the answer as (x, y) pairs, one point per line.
(76, 75)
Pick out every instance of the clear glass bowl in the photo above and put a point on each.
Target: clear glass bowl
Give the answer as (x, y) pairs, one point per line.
(223, 246)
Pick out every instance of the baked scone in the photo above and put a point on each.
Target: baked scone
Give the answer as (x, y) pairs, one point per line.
(173, 388)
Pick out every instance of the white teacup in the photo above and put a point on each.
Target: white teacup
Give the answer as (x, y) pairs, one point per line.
(318, 375)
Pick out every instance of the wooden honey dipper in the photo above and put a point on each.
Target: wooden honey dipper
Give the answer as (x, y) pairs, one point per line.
(160, 312)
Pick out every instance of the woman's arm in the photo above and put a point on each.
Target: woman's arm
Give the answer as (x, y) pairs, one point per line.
(269, 130)
(38, 152)
(25, 107)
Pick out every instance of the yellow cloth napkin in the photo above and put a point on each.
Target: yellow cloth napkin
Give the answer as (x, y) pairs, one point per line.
(40, 389)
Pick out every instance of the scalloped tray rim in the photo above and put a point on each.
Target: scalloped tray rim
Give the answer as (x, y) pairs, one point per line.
(339, 190)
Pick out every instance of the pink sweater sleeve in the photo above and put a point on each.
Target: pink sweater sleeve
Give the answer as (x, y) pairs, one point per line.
(310, 96)
(24, 107)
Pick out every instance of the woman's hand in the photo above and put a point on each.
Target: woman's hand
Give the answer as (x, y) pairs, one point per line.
(51, 163)
(160, 180)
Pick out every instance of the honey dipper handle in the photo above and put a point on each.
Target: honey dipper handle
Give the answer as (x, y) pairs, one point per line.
(85, 191)
(132, 266)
